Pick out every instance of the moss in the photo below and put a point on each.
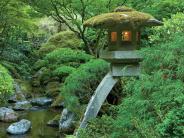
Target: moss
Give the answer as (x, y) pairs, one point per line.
(122, 16)
(111, 19)
(123, 9)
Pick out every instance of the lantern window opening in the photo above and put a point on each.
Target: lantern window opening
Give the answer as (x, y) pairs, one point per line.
(126, 36)
(114, 36)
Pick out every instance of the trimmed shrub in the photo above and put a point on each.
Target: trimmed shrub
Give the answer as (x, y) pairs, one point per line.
(66, 56)
(63, 71)
(65, 39)
(80, 85)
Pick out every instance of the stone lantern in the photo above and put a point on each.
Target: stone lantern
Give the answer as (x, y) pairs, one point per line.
(124, 31)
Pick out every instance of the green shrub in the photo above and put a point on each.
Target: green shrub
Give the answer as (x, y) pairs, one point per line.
(172, 124)
(165, 56)
(65, 39)
(149, 102)
(63, 71)
(46, 48)
(66, 56)
(80, 85)
(62, 56)
(98, 128)
(6, 85)
(40, 63)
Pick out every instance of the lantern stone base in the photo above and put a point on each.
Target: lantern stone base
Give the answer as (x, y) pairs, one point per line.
(121, 56)
(126, 70)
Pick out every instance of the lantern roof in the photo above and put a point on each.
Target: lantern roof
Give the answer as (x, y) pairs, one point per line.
(123, 16)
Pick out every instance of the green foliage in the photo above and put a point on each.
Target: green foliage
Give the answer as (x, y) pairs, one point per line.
(80, 85)
(165, 8)
(169, 30)
(150, 101)
(6, 85)
(66, 56)
(63, 71)
(158, 8)
(65, 39)
(173, 124)
(63, 56)
(100, 127)
(166, 56)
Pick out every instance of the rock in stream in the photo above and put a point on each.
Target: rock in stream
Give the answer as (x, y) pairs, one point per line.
(20, 127)
(23, 105)
(8, 115)
(66, 123)
(42, 101)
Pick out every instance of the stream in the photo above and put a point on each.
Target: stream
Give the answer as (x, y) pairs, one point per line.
(39, 119)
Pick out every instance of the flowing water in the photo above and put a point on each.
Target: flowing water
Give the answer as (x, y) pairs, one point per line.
(39, 128)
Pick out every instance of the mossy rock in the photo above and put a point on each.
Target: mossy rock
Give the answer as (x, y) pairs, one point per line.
(122, 16)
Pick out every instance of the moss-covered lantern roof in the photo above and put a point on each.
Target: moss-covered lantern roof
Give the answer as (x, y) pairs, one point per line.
(122, 16)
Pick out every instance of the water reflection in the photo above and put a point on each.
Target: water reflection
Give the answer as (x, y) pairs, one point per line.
(39, 128)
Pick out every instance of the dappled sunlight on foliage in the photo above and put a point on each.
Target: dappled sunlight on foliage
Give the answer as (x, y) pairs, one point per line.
(6, 85)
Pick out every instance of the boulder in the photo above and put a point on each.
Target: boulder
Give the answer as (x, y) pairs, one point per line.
(42, 101)
(8, 115)
(20, 127)
(23, 105)
(66, 123)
